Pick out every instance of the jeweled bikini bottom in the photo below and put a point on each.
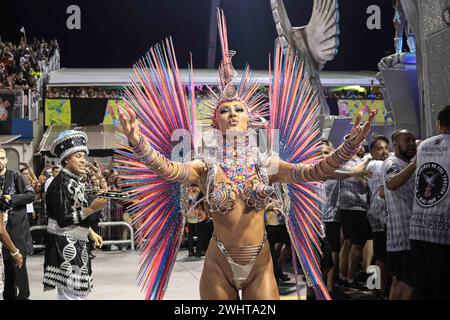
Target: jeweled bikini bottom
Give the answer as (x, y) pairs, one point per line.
(241, 260)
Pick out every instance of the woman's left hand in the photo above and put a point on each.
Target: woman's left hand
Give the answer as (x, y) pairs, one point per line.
(359, 132)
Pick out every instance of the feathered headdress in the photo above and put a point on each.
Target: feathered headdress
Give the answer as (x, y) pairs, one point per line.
(247, 90)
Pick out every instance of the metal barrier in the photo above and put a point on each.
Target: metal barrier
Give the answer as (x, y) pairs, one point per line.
(34, 228)
(34, 99)
(119, 223)
(101, 224)
(19, 104)
(18, 108)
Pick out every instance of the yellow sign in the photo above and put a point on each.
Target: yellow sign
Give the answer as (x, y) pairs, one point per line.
(57, 111)
(350, 108)
(111, 108)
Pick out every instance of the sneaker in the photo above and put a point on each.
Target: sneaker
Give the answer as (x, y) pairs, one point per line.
(342, 282)
(358, 286)
(114, 247)
(284, 277)
(362, 277)
(339, 295)
(380, 295)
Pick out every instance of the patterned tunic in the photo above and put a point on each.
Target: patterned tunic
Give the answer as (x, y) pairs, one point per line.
(377, 213)
(352, 192)
(67, 265)
(399, 205)
(331, 201)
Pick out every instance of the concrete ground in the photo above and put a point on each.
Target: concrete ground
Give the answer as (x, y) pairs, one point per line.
(115, 278)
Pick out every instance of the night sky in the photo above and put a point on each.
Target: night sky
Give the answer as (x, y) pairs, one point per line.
(114, 34)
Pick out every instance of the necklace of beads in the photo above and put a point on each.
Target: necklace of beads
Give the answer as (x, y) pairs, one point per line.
(238, 168)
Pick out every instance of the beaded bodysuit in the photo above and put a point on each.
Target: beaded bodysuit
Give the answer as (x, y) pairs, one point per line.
(221, 199)
(248, 180)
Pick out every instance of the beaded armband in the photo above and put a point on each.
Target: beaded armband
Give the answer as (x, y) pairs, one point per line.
(325, 167)
(160, 165)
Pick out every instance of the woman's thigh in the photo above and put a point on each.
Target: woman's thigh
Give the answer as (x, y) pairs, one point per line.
(214, 284)
(262, 284)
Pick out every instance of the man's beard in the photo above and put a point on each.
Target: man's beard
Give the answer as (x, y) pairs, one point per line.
(404, 154)
(381, 157)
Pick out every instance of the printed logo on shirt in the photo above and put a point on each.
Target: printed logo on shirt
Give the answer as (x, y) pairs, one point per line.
(431, 184)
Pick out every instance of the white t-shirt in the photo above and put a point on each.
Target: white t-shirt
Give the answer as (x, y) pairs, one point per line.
(30, 208)
(47, 183)
(352, 192)
(377, 213)
(431, 210)
(331, 201)
(399, 206)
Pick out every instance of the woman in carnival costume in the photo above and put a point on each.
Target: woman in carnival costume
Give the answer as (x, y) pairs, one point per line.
(240, 182)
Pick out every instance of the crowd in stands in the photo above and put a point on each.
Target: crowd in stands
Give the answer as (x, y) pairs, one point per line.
(201, 92)
(83, 92)
(22, 64)
(369, 93)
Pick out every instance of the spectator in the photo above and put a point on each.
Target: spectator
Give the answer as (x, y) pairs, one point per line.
(399, 193)
(277, 236)
(196, 222)
(42, 178)
(5, 239)
(377, 213)
(49, 168)
(354, 222)
(55, 171)
(430, 221)
(331, 216)
(30, 208)
(16, 190)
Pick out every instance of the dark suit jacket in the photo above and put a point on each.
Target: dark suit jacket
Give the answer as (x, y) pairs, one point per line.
(18, 228)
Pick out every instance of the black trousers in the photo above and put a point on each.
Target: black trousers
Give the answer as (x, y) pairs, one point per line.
(203, 231)
(16, 278)
(277, 235)
(431, 263)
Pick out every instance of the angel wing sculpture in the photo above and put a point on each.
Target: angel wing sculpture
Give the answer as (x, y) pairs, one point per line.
(318, 41)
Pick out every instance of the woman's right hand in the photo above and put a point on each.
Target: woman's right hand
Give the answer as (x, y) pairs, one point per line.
(359, 132)
(130, 127)
(18, 259)
(359, 171)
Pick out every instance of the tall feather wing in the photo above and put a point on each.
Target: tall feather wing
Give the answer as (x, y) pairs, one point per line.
(156, 94)
(294, 111)
(322, 32)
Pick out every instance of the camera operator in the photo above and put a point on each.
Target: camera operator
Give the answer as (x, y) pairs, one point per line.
(15, 193)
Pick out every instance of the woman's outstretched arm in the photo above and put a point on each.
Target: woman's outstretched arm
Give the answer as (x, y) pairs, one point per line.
(155, 161)
(325, 168)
